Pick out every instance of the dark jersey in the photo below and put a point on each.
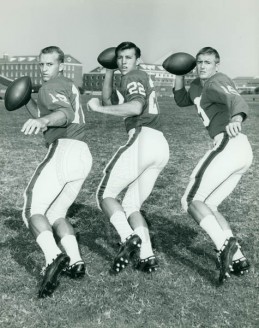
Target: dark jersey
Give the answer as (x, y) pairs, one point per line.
(216, 102)
(60, 94)
(137, 85)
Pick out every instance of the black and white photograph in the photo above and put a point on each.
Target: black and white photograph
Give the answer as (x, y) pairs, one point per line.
(129, 164)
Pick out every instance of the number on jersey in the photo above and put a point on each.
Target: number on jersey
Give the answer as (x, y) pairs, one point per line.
(58, 97)
(136, 87)
(230, 90)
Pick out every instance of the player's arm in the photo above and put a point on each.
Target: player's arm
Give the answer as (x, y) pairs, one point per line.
(235, 125)
(179, 82)
(181, 96)
(32, 108)
(57, 118)
(238, 108)
(107, 89)
(131, 108)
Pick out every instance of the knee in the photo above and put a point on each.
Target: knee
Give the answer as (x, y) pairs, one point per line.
(55, 218)
(130, 208)
(212, 207)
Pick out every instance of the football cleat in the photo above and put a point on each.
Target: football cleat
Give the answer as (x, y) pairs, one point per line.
(51, 274)
(127, 249)
(75, 271)
(225, 256)
(148, 265)
(240, 266)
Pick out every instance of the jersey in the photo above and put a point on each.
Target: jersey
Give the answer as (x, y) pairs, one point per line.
(60, 94)
(138, 86)
(216, 102)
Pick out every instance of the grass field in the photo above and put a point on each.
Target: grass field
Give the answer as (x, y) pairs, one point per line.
(183, 293)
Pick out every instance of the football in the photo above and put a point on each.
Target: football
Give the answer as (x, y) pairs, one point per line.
(107, 58)
(18, 93)
(179, 63)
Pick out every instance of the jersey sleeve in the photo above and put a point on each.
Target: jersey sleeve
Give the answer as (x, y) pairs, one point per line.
(114, 97)
(182, 97)
(225, 92)
(57, 99)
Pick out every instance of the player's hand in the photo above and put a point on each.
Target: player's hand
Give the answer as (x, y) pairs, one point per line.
(93, 104)
(233, 129)
(34, 126)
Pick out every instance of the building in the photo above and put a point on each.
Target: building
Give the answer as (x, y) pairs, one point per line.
(13, 67)
(163, 81)
(246, 85)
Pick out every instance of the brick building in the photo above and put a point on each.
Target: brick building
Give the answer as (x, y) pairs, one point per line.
(163, 81)
(14, 67)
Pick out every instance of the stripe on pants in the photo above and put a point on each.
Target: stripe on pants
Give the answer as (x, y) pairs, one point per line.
(40, 168)
(108, 169)
(204, 166)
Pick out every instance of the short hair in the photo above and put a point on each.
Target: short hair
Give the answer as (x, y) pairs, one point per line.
(51, 49)
(128, 45)
(210, 51)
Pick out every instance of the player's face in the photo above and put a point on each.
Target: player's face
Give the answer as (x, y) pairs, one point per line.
(206, 66)
(50, 66)
(127, 61)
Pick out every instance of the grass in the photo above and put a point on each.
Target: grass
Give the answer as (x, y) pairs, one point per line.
(183, 293)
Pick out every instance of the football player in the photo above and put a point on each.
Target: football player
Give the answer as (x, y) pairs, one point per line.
(59, 177)
(222, 111)
(137, 164)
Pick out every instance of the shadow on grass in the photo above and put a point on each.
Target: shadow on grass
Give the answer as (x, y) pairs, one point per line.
(176, 241)
(168, 237)
(21, 244)
(173, 239)
(89, 225)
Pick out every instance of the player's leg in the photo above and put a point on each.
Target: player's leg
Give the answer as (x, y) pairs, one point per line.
(64, 230)
(211, 171)
(240, 264)
(37, 198)
(209, 179)
(135, 196)
(118, 174)
(154, 156)
(243, 158)
(76, 163)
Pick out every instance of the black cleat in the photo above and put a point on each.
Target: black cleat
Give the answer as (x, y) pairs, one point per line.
(240, 266)
(148, 265)
(127, 249)
(51, 274)
(75, 271)
(225, 256)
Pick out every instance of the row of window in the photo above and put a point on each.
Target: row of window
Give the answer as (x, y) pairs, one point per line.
(7, 67)
(32, 75)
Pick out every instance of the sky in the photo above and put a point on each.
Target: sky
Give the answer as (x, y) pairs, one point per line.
(84, 28)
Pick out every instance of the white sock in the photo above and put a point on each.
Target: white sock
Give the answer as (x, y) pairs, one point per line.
(238, 255)
(48, 245)
(121, 224)
(213, 229)
(146, 247)
(70, 245)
